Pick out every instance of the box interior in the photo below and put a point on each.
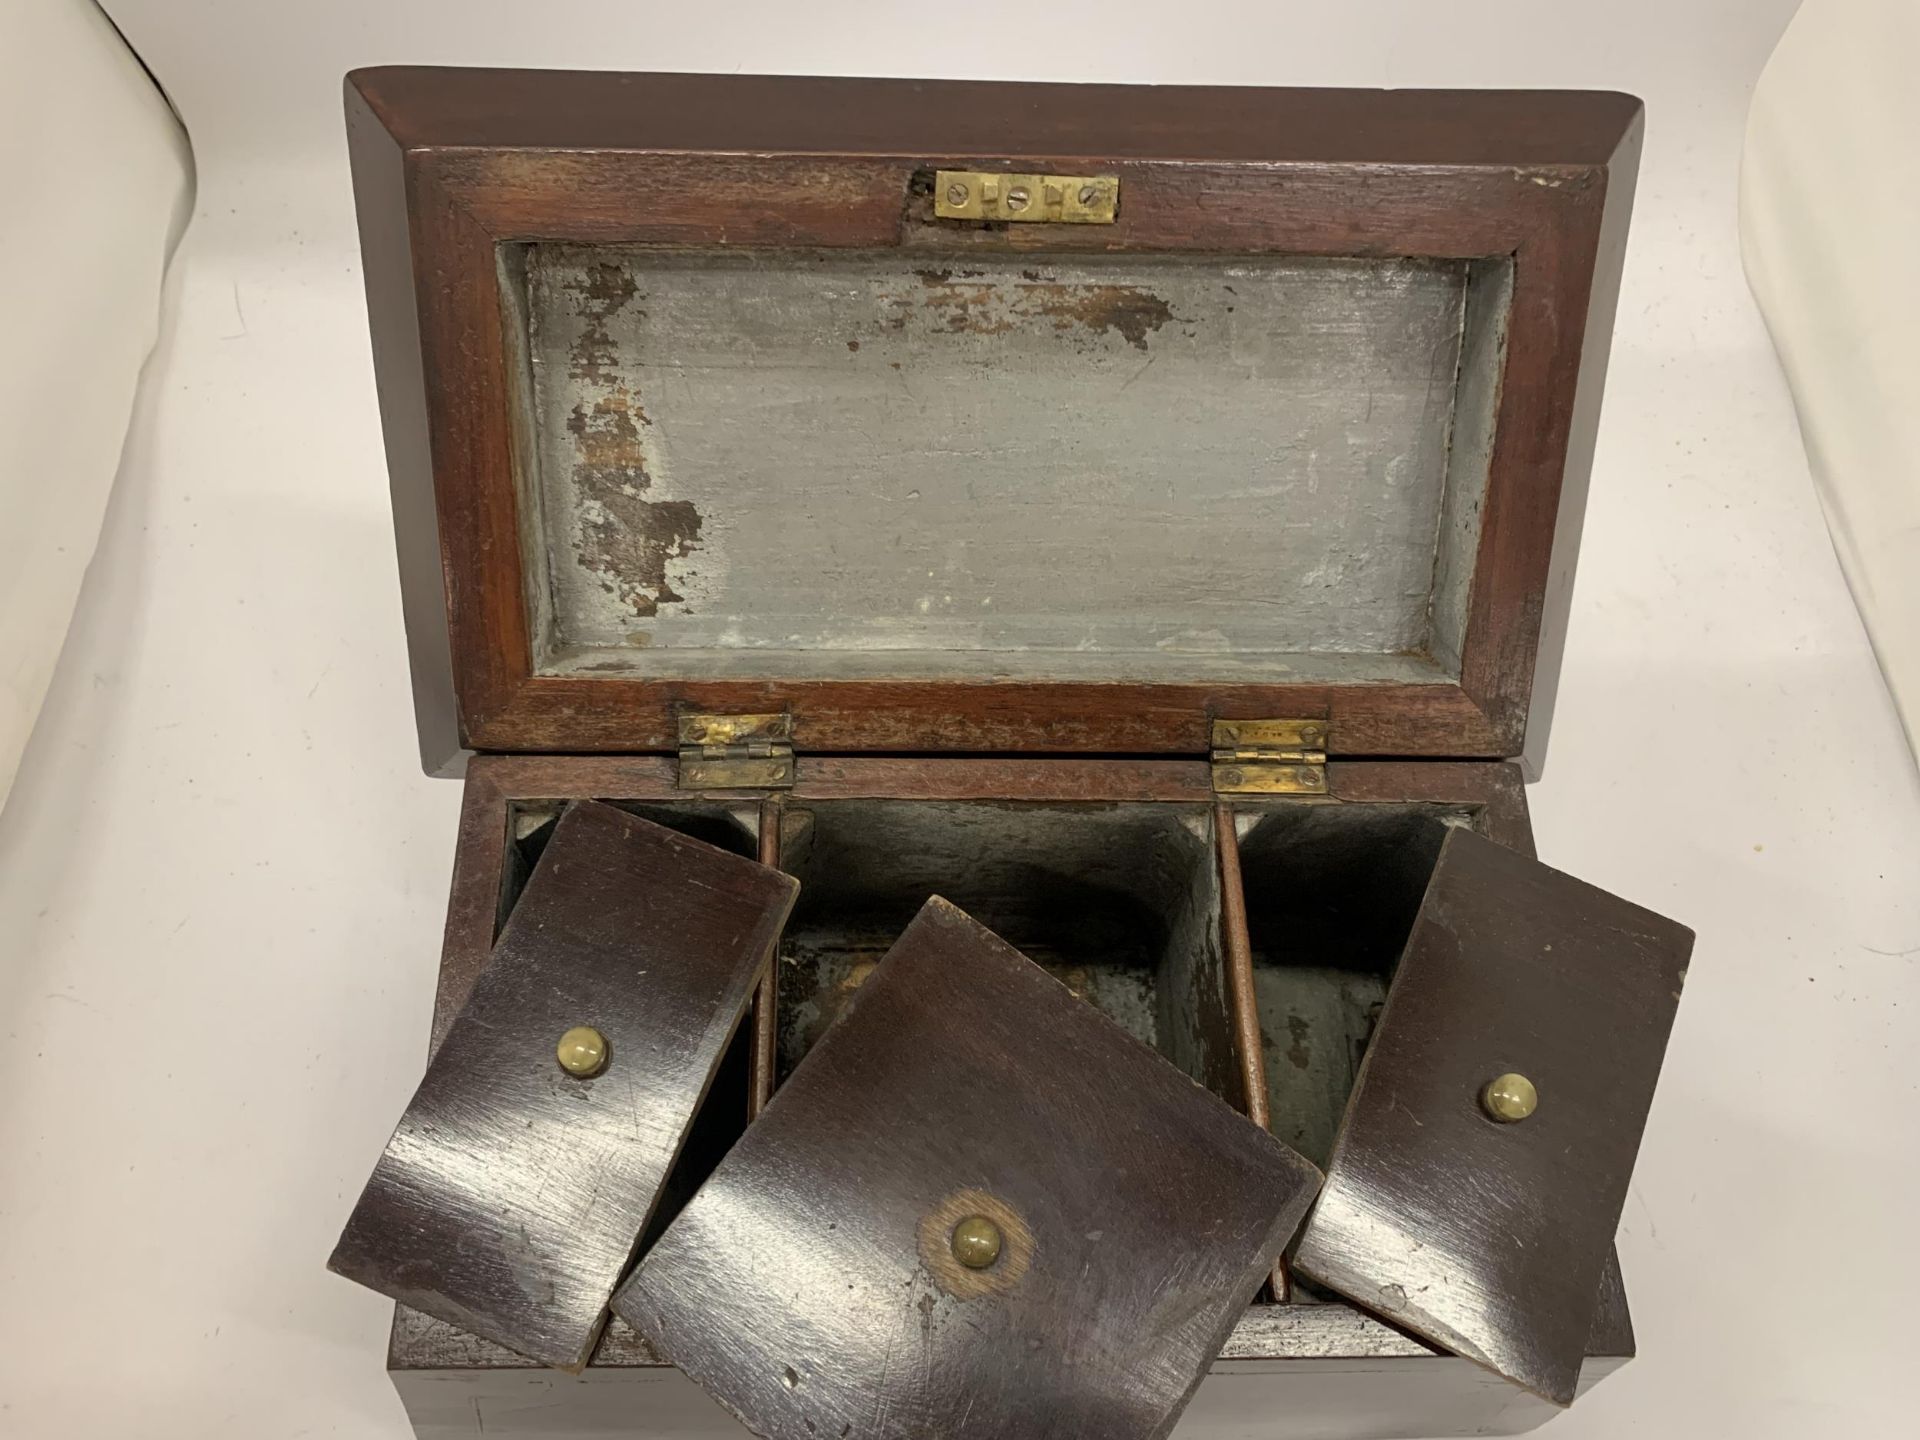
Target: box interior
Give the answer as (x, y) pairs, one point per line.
(847, 464)
(1332, 893)
(1120, 902)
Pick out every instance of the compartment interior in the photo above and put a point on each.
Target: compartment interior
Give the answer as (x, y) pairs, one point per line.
(843, 464)
(1120, 902)
(735, 828)
(1332, 892)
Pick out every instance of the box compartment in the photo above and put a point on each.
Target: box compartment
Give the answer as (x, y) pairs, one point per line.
(1331, 893)
(1050, 875)
(1120, 903)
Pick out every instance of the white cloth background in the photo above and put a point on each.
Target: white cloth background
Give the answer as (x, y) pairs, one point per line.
(98, 186)
(1830, 225)
(222, 877)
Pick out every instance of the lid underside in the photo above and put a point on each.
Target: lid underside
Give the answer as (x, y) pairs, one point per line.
(682, 423)
(834, 465)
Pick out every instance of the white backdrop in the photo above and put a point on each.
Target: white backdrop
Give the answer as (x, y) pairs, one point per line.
(1829, 206)
(85, 136)
(221, 877)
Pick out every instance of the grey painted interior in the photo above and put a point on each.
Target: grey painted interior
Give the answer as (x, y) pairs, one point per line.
(840, 464)
(1483, 355)
(1331, 892)
(1121, 903)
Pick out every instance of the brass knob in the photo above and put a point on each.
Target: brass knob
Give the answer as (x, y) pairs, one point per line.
(582, 1052)
(1510, 1099)
(976, 1242)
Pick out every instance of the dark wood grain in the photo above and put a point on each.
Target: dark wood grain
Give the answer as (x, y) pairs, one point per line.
(1239, 966)
(1057, 779)
(766, 1000)
(569, 713)
(428, 1356)
(1492, 1239)
(1237, 956)
(429, 106)
(1348, 1377)
(491, 157)
(1493, 793)
(380, 185)
(963, 1071)
(512, 1194)
(1583, 428)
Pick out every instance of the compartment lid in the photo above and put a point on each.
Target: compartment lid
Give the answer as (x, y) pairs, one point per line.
(514, 1190)
(976, 1197)
(1479, 1172)
(705, 394)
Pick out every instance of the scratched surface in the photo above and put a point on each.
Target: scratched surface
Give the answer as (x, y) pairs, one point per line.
(1140, 1216)
(512, 1195)
(1102, 465)
(1492, 1240)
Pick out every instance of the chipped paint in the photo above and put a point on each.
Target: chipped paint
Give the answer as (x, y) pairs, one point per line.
(1554, 179)
(631, 540)
(964, 303)
(1299, 1030)
(606, 290)
(1093, 465)
(1127, 310)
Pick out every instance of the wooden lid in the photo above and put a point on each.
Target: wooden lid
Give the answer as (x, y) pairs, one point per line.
(695, 402)
(1480, 1170)
(977, 1197)
(516, 1186)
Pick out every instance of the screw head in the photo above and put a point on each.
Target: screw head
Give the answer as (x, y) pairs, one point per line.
(1089, 193)
(976, 1242)
(956, 194)
(1510, 1099)
(582, 1052)
(1018, 198)
(1309, 733)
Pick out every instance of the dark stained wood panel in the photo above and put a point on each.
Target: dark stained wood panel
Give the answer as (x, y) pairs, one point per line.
(452, 166)
(1492, 1239)
(512, 1194)
(1139, 1215)
(800, 114)
(438, 1366)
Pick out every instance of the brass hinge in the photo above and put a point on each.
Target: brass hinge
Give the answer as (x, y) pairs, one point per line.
(736, 752)
(1270, 757)
(1062, 199)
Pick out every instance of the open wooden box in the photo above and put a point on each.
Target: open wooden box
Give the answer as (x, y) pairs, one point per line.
(1130, 513)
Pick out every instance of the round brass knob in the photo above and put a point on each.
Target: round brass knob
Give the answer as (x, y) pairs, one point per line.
(1510, 1099)
(976, 1242)
(582, 1051)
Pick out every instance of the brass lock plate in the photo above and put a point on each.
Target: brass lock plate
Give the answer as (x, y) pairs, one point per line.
(1061, 199)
